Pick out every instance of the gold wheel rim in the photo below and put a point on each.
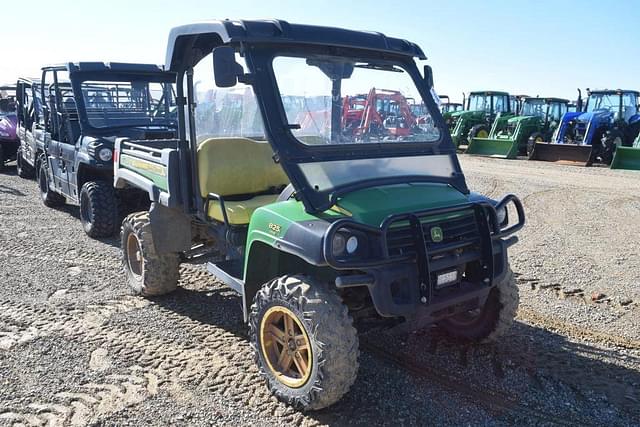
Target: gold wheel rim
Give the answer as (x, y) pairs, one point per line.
(134, 255)
(539, 139)
(482, 134)
(286, 347)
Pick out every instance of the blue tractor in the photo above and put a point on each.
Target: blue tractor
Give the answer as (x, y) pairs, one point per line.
(609, 119)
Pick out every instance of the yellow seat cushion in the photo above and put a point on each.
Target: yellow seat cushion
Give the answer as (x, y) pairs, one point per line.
(239, 212)
(231, 166)
(238, 166)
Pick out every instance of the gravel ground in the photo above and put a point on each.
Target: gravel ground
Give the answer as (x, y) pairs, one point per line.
(76, 348)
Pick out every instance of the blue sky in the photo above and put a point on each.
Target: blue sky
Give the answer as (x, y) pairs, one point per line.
(545, 48)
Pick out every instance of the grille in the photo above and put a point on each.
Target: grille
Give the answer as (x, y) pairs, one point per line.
(460, 245)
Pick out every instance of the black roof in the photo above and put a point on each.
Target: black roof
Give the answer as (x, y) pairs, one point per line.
(207, 35)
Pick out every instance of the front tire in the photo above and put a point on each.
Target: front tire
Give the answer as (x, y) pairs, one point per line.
(148, 273)
(492, 320)
(304, 342)
(478, 131)
(98, 209)
(531, 143)
(49, 197)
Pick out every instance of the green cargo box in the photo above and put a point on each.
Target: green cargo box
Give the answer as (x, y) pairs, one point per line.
(500, 148)
(626, 158)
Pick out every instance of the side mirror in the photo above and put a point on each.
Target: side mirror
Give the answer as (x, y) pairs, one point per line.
(225, 68)
(428, 76)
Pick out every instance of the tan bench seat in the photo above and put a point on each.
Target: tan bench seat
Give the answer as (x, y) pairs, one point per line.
(238, 167)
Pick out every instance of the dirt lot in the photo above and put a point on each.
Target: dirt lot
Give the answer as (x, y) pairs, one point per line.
(76, 348)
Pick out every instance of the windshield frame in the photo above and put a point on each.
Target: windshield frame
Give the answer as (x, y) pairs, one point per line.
(291, 153)
(79, 78)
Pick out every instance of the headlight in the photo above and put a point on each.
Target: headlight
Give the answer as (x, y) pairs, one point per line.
(105, 154)
(352, 244)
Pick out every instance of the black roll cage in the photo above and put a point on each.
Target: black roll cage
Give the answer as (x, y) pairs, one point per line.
(288, 151)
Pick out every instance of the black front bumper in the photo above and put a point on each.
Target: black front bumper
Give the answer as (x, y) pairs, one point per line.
(404, 283)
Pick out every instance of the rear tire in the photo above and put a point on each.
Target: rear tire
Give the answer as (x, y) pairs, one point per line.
(478, 131)
(492, 320)
(322, 352)
(24, 169)
(98, 209)
(50, 198)
(148, 273)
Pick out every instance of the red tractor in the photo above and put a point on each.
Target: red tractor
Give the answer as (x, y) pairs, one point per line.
(379, 114)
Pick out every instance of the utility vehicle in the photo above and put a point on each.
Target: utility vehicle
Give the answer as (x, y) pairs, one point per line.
(30, 122)
(86, 106)
(314, 228)
(8, 139)
(513, 136)
(610, 119)
(476, 120)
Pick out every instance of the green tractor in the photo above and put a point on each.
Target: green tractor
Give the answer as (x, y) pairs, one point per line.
(447, 107)
(317, 232)
(627, 157)
(514, 135)
(476, 120)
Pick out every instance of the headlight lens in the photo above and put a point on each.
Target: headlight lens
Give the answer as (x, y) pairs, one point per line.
(352, 244)
(105, 154)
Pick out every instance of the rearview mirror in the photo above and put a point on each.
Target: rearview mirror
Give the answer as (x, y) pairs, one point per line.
(225, 68)
(428, 76)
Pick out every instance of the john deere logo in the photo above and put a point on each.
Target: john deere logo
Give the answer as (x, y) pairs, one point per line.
(436, 234)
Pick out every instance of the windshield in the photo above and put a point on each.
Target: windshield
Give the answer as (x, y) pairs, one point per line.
(534, 107)
(136, 102)
(479, 102)
(603, 101)
(332, 101)
(7, 101)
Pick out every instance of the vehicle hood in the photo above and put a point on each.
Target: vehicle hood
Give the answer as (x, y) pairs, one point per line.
(372, 205)
(8, 125)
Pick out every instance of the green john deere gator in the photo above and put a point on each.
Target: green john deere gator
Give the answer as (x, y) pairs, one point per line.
(476, 120)
(511, 136)
(316, 231)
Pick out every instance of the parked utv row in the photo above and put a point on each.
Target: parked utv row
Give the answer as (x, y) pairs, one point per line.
(68, 122)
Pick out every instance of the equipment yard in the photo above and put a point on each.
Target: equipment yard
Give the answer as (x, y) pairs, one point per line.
(77, 348)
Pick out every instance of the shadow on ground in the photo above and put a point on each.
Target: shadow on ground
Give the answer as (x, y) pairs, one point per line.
(529, 363)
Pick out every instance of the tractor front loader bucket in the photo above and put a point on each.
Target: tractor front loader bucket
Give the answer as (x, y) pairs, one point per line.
(562, 153)
(502, 148)
(626, 158)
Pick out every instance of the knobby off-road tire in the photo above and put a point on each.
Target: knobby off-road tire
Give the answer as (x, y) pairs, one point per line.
(98, 209)
(493, 319)
(49, 197)
(148, 273)
(24, 170)
(319, 317)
